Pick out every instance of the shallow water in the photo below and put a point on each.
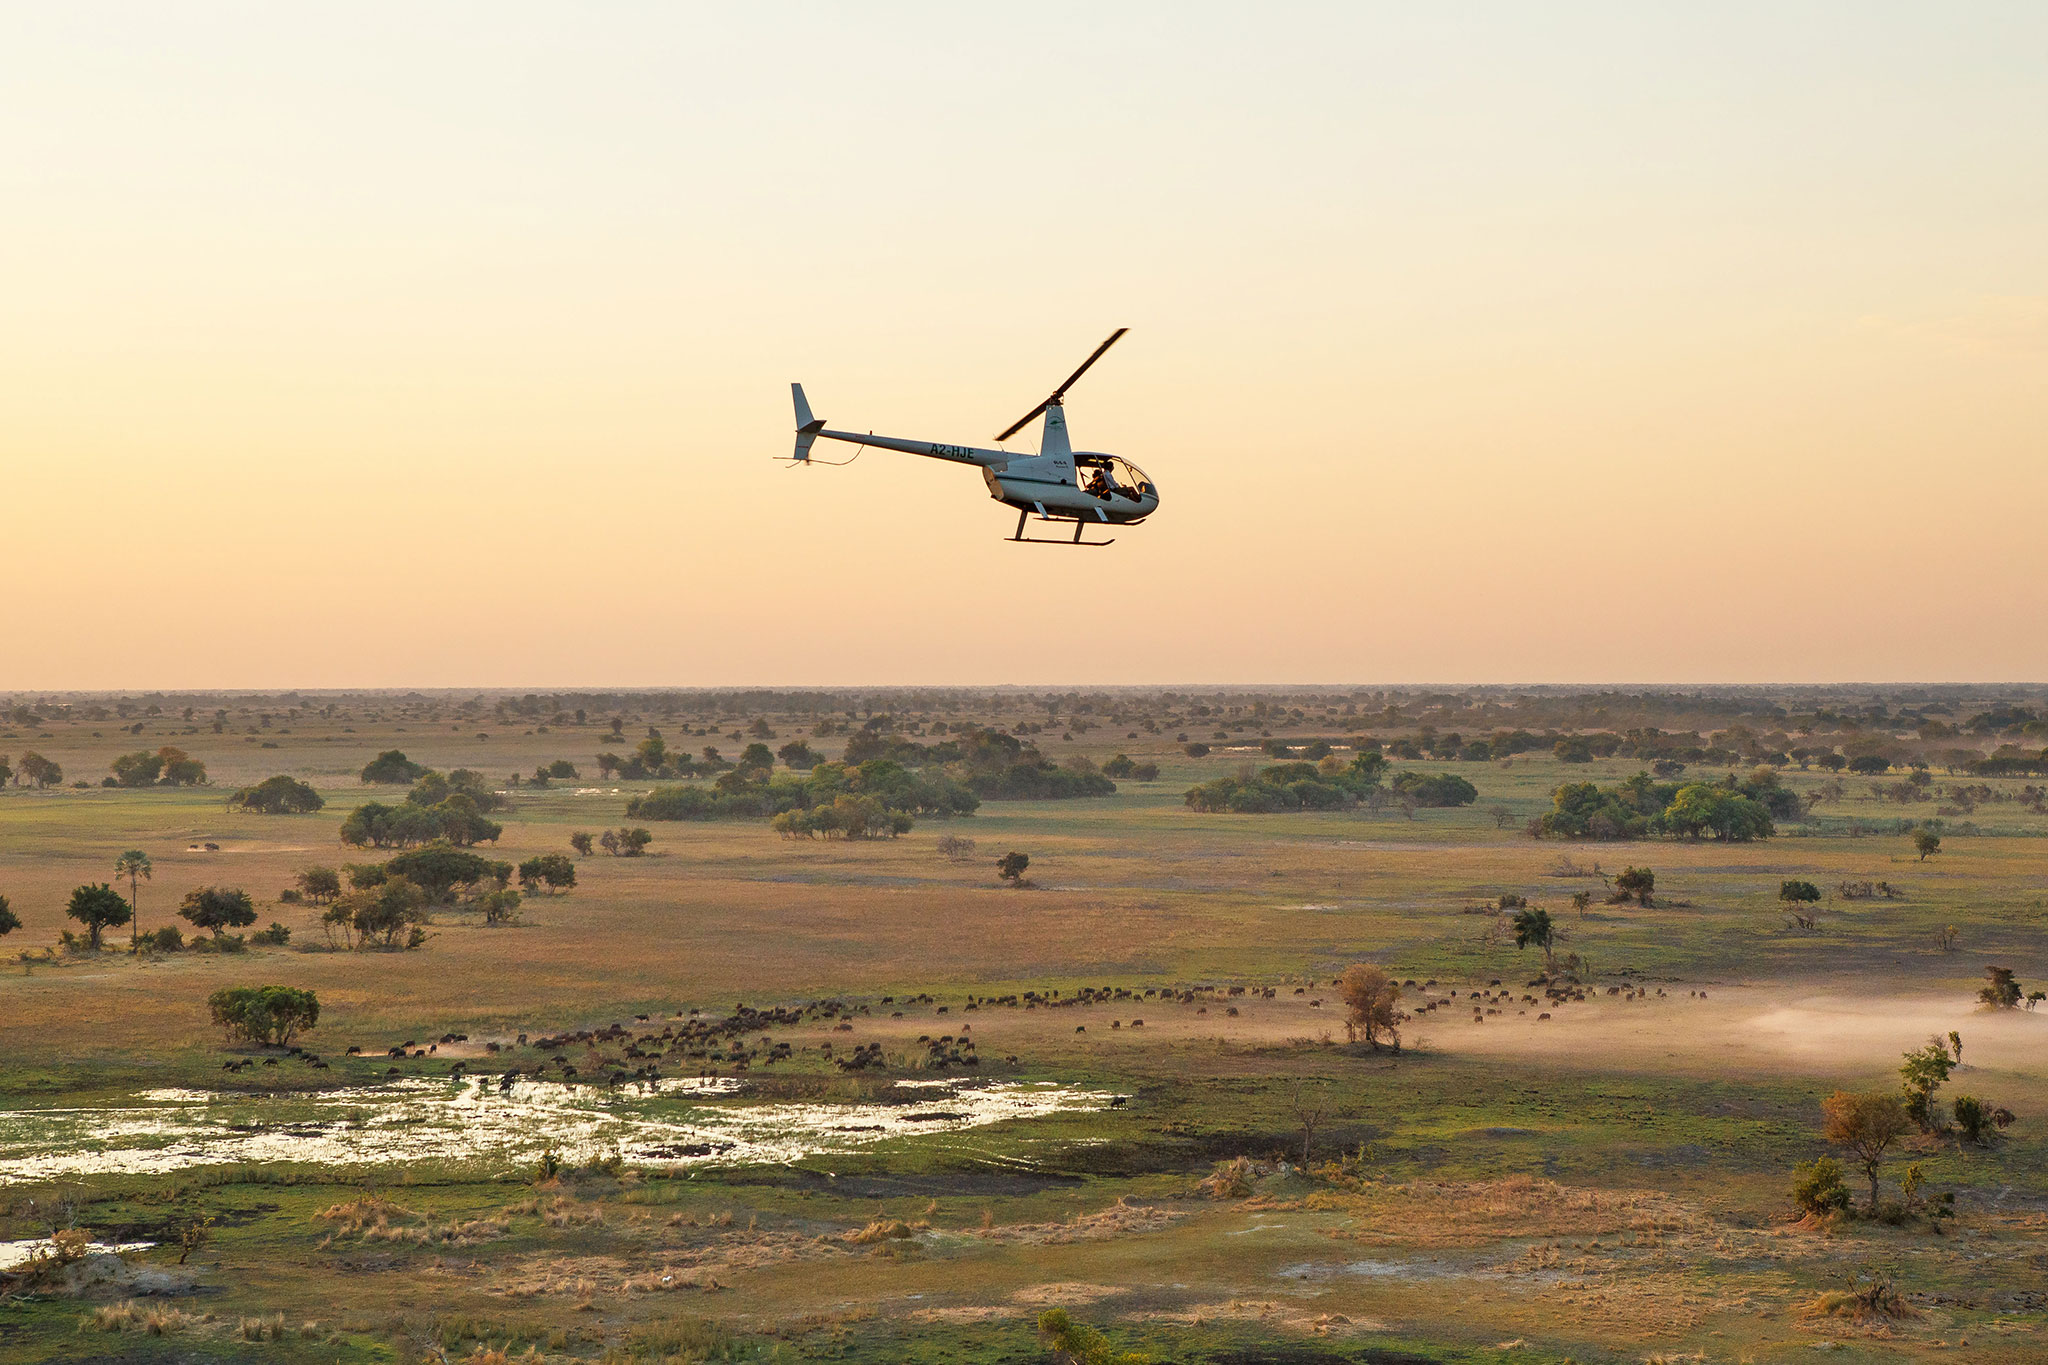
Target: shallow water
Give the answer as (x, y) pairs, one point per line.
(669, 1123)
(16, 1254)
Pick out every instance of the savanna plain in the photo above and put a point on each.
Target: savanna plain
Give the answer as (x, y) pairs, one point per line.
(1312, 1025)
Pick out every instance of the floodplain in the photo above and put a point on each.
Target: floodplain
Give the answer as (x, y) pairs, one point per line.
(1120, 1085)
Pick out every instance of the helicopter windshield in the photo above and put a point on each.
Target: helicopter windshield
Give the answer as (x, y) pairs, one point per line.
(1107, 476)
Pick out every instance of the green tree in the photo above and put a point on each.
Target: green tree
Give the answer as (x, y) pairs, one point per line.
(580, 841)
(217, 908)
(40, 771)
(264, 1014)
(135, 866)
(1010, 867)
(2001, 989)
(1798, 893)
(139, 769)
(1922, 1073)
(1926, 843)
(438, 868)
(180, 769)
(1534, 926)
(9, 921)
(279, 795)
(98, 907)
(320, 885)
(1637, 882)
(392, 767)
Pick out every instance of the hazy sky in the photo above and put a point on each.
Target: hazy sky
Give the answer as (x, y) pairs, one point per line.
(450, 344)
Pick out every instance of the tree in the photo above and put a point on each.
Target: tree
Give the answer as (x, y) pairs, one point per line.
(139, 769)
(1922, 1073)
(392, 767)
(438, 868)
(264, 1014)
(955, 847)
(1868, 1126)
(580, 841)
(180, 769)
(279, 795)
(563, 770)
(98, 907)
(135, 866)
(320, 885)
(39, 770)
(2001, 990)
(1637, 882)
(1926, 843)
(381, 913)
(1869, 765)
(1534, 926)
(499, 907)
(1010, 867)
(1798, 893)
(625, 842)
(1371, 1004)
(217, 908)
(9, 921)
(554, 870)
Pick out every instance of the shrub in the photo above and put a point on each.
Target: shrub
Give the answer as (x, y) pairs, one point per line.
(276, 936)
(1818, 1188)
(955, 847)
(1973, 1117)
(164, 940)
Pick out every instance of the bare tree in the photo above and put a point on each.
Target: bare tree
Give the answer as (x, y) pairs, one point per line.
(1308, 1112)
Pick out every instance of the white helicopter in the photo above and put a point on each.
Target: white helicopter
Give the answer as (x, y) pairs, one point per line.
(1059, 483)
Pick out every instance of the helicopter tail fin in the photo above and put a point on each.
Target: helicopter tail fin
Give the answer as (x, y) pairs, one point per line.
(807, 426)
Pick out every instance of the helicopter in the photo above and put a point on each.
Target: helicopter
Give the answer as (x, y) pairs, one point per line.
(1059, 483)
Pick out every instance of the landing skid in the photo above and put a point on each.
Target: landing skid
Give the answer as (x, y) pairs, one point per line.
(1021, 539)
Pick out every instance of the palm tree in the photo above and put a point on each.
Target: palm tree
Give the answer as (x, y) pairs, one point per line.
(134, 865)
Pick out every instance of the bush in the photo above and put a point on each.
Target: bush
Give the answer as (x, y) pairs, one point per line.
(955, 847)
(1818, 1188)
(164, 940)
(276, 936)
(1973, 1117)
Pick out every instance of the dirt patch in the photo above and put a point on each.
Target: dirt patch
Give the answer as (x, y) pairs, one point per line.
(1121, 1219)
(1283, 1317)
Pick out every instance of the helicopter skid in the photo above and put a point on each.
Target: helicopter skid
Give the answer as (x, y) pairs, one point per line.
(1079, 525)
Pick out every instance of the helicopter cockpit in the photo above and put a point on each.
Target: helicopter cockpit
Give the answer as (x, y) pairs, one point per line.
(1111, 478)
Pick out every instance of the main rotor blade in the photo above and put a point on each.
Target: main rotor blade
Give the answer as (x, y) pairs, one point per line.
(1061, 392)
(1011, 430)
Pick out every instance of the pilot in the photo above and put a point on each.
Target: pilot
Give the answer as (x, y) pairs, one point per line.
(1098, 484)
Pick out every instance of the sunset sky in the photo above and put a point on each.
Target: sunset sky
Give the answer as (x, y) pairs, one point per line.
(380, 345)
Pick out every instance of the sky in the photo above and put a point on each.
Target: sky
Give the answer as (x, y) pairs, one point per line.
(449, 345)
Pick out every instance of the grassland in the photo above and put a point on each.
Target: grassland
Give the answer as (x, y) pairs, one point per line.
(1607, 1184)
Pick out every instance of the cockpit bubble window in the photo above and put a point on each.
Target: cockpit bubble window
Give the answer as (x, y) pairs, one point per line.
(1108, 476)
